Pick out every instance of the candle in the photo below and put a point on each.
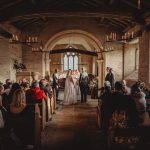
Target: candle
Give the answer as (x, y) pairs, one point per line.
(32, 39)
(36, 39)
(29, 38)
(107, 37)
(128, 34)
(125, 36)
(132, 35)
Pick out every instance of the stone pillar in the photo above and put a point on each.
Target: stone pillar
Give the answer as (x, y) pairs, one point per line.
(93, 66)
(100, 64)
(144, 49)
(47, 66)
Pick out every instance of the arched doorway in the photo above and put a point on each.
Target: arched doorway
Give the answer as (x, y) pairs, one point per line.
(81, 40)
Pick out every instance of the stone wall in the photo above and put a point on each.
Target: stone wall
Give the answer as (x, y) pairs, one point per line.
(144, 50)
(86, 61)
(34, 61)
(131, 60)
(114, 59)
(55, 63)
(8, 54)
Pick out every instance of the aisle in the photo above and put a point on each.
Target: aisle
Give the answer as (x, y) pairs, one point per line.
(73, 128)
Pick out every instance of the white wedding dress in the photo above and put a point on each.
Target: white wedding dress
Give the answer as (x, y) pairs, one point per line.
(70, 95)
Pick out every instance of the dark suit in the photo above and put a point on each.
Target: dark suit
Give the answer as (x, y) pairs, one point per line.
(83, 81)
(55, 83)
(110, 77)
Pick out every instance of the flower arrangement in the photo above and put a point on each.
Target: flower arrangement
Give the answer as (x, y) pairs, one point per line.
(19, 66)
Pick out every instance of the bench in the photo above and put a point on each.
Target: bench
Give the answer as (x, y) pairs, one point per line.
(27, 128)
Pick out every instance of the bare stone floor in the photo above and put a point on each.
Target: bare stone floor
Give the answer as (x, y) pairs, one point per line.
(74, 127)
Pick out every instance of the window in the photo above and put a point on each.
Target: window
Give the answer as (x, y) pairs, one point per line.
(70, 61)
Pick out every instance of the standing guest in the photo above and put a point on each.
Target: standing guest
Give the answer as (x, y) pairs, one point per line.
(83, 83)
(111, 78)
(7, 84)
(55, 82)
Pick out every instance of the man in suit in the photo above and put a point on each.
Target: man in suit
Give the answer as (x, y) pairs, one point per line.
(55, 82)
(110, 77)
(83, 82)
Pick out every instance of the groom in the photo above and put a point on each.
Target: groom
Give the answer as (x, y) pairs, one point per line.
(83, 83)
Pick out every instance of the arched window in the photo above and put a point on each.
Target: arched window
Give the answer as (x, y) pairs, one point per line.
(75, 62)
(70, 61)
(65, 62)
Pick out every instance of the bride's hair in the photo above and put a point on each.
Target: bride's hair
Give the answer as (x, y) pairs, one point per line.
(68, 73)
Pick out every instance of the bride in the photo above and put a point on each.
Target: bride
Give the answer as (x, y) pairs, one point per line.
(70, 95)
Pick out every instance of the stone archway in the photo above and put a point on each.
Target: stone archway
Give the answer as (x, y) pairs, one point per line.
(86, 35)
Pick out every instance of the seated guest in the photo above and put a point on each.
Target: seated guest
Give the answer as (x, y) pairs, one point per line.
(21, 118)
(145, 90)
(126, 89)
(15, 86)
(7, 84)
(25, 86)
(43, 87)
(123, 104)
(35, 94)
(18, 101)
(105, 97)
(139, 97)
(3, 98)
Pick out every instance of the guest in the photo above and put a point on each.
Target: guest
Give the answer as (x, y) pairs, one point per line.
(22, 118)
(105, 108)
(15, 86)
(111, 78)
(4, 101)
(139, 97)
(25, 86)
(7, 84)
(43, 87)
(126, 89)
(35, 94)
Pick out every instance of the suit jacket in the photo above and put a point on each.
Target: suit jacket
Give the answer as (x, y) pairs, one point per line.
(110, 77)
(55, 79)
(83, 80)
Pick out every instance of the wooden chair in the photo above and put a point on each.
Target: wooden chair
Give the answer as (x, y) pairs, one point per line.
(27, 129)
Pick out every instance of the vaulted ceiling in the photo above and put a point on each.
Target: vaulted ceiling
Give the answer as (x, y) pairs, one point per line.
(117, 14)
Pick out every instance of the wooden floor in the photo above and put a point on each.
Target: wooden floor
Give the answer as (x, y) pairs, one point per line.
(74, 127)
